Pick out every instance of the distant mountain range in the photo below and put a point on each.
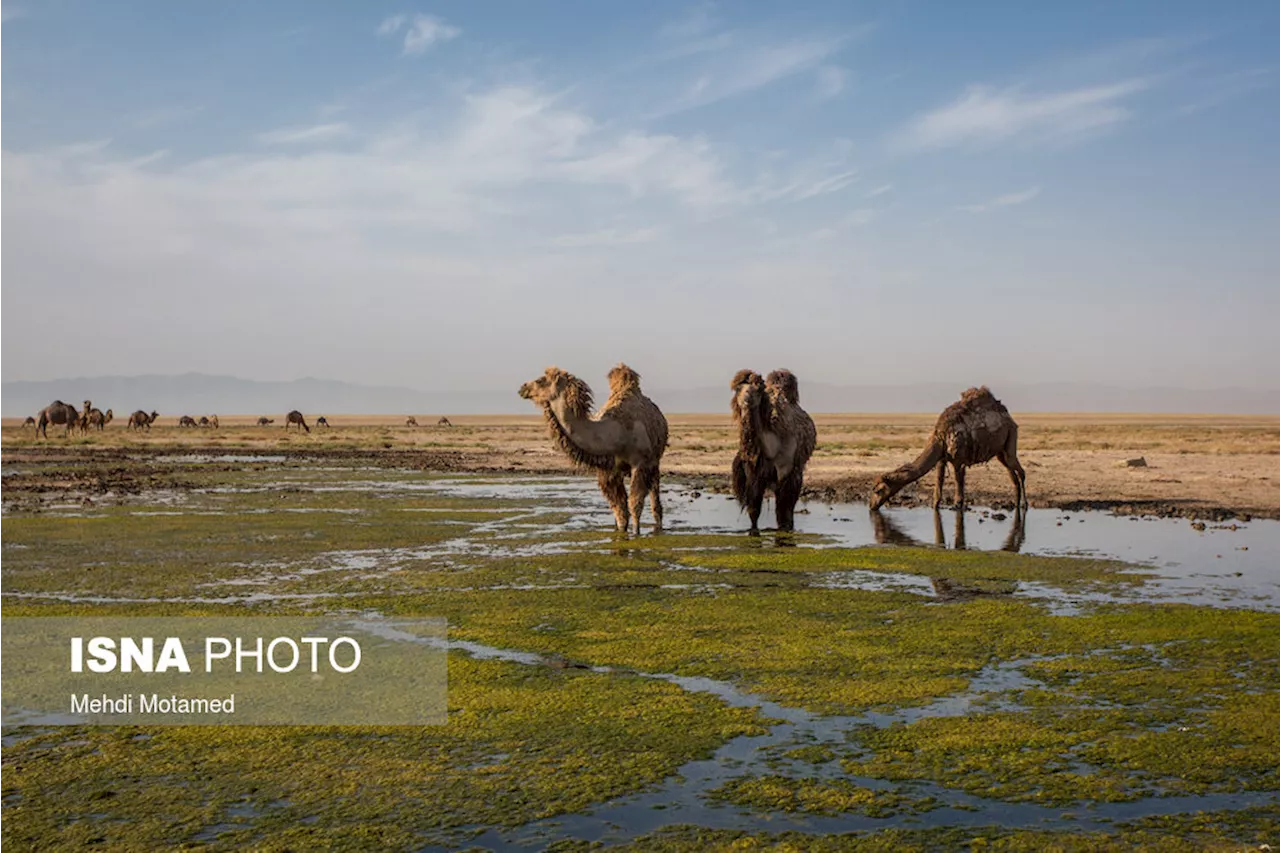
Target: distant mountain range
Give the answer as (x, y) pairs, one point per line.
(199, 393)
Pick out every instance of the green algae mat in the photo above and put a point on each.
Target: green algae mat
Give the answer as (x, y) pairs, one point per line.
(692, 690)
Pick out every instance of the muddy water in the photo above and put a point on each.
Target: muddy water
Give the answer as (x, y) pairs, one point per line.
(1236, 564)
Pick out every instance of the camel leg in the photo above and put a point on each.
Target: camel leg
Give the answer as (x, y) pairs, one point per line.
(939, 537)
(615, 492)
(937, 486)
(959, 488)
(960, 543)
(788, 494)
(1018, 476)
(641, 480)
(656, 498)
(755, 501)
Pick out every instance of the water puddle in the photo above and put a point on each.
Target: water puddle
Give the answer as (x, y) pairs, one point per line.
(685, 797)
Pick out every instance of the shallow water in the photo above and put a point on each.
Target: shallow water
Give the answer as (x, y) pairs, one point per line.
(1236, 564)
(684, 797)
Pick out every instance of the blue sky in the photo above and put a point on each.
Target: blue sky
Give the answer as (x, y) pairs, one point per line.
(454, 195)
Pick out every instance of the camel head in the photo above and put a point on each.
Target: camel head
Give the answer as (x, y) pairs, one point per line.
(557, 384)
(888, 485)
(748, 391)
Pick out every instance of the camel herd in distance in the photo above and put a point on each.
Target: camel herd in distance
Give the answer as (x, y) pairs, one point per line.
(628, 435)
(624, 440)
(75, 420)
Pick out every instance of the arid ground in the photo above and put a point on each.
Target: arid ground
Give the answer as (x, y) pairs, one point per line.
(1213, 466)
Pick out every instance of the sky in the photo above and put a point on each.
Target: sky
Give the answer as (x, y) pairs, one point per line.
(454, 195)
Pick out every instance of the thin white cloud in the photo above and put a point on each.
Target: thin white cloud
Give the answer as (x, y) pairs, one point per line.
(830, 80)
(392, 24)
(1007, 200)
(421, 32)
(984, 116)
(426, 31)
(880, 190)
(1214, 91)
(607, 237)
(305, 135)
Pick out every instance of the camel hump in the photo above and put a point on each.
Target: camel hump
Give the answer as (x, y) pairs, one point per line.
(786, 384)
(622, 379)
(742, 377)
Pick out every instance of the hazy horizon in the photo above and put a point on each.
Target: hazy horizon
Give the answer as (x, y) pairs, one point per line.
(446, 196)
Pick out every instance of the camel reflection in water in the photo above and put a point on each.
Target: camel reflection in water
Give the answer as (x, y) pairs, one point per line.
(887, 532)
(951, 589)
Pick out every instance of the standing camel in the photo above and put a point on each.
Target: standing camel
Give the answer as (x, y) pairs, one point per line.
(975, 429)
(187, 421)
(444, 422)
(29, 422)
(265, 421)
(57, 413)
(775, 440)
(626, 437)
(411, 421)
(98, 419)
(322, 421)
(295, 417)
(140, 419)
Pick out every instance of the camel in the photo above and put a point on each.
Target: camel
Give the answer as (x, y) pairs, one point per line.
(213, 421)
(59, 414)
(96, 418)
(322, 421)
(973, 430)
(140, 419)
(411, 421)
(29, 422)
(187, 421)
(295, 417)
(264, 421)
(443, 422)
(626, 437)
(775, 440)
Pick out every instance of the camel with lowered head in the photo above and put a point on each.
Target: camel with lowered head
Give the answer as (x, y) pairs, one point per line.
(411, 421)
(295, 417)
(775, 440)
(971, 431)
(140, 419)
(626, 437)
(265, 421)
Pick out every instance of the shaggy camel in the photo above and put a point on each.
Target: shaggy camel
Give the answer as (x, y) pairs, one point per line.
(975, 429)
(322, 421)
(264, 420)
(187, 421)
(775, 440)
(295, 417)
(627, 436)
(411, 421)
(96, 418)
(443, 422)
(140, 419)
(57, 413)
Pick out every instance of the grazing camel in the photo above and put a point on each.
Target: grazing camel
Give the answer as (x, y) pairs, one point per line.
(411, 421)
(322, 421)
(444, 422)
(29, 422)
(140, 419)
(626, 437)
(264, 421)
(775, 440)
(57, 413)
(204, 421)
(295, 417)
(187, 421)
(97, 418)
(975, 429)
